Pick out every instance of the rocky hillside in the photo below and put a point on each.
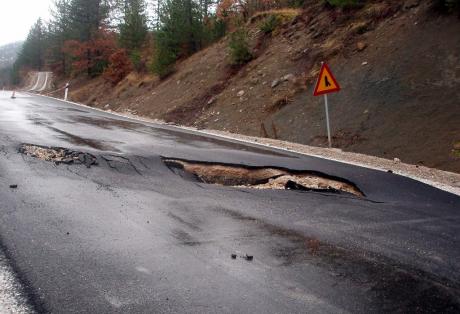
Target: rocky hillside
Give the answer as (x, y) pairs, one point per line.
(398, 63)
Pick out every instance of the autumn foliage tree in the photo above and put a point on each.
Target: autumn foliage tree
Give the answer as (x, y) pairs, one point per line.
(91, 56)
(119, 67)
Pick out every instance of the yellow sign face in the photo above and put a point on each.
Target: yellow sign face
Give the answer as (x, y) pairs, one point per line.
(326, 82)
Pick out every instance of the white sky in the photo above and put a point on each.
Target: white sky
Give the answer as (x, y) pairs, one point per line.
(18, 16)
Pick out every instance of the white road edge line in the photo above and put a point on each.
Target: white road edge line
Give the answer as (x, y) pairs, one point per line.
(435, 184)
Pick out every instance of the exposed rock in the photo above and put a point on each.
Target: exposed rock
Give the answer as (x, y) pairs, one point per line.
(288, 77)
(361, 46)
(275, 83)
(240, 93)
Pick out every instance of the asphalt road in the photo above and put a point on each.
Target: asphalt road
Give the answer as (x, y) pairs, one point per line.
(131, 236)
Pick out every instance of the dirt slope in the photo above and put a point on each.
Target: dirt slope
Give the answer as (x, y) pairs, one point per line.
(398, 63)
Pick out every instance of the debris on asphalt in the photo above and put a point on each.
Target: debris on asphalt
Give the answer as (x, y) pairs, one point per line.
(234, 256)
(58, 155)
(249, 257)
(13, 186)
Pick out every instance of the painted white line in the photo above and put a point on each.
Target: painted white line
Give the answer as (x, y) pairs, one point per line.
(46, 82)
(438, 185)
(36, 83)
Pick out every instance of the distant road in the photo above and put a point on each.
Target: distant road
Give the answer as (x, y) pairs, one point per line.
(131, 236)
(42, 81)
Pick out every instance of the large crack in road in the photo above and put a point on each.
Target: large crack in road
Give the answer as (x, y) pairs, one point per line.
(262, 177)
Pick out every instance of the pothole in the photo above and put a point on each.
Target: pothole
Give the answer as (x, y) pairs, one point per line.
(272, 178)
(58, 155)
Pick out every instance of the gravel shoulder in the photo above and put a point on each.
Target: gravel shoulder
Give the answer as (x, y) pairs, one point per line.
(12, 298)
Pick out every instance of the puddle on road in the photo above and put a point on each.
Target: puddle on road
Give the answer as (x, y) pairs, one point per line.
(58, 155)
(264, 178)
(78, 140)
(108, 123)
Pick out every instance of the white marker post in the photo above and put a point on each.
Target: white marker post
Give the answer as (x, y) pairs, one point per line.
(326, 84)
(327, 121)
(66, 93)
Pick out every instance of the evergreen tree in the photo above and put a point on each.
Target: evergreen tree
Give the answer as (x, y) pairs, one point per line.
(59, 33)
(180, 33)
(32, 53)
(87, 17)
(133, 29)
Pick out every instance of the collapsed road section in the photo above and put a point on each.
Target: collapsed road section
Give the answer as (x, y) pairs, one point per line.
(261, 177)
(58, 155)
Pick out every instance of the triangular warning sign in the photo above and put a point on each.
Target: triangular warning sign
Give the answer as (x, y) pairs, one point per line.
(326, 82)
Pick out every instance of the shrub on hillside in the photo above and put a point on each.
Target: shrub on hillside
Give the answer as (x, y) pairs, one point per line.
(269, 24)
(119, 67)
(163, 61)
(136, 58)
(239, 47)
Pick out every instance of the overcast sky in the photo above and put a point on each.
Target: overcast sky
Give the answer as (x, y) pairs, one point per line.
(17, 16)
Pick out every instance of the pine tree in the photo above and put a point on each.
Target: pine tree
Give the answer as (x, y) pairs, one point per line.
(87, 17)
(59, 33)
(180, 34)
(133, 29)
(33, 51)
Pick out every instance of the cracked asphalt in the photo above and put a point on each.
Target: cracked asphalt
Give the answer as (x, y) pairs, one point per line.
(128, 235)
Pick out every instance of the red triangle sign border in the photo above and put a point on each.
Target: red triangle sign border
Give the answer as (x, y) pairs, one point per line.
(324, 68)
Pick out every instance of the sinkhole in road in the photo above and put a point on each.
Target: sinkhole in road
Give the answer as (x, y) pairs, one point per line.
(269, 178)
(58, 155)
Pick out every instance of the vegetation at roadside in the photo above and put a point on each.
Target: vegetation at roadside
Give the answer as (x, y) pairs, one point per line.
(269, 24)
(239, 47)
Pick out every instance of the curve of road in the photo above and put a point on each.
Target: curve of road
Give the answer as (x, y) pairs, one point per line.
(42, 81)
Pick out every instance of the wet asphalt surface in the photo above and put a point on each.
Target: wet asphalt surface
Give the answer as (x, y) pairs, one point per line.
(131, 236)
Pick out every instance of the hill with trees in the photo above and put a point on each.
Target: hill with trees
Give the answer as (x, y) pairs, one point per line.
(8, 55)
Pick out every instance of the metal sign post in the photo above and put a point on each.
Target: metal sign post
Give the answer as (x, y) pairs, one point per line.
(326, 84)
(327, 121)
